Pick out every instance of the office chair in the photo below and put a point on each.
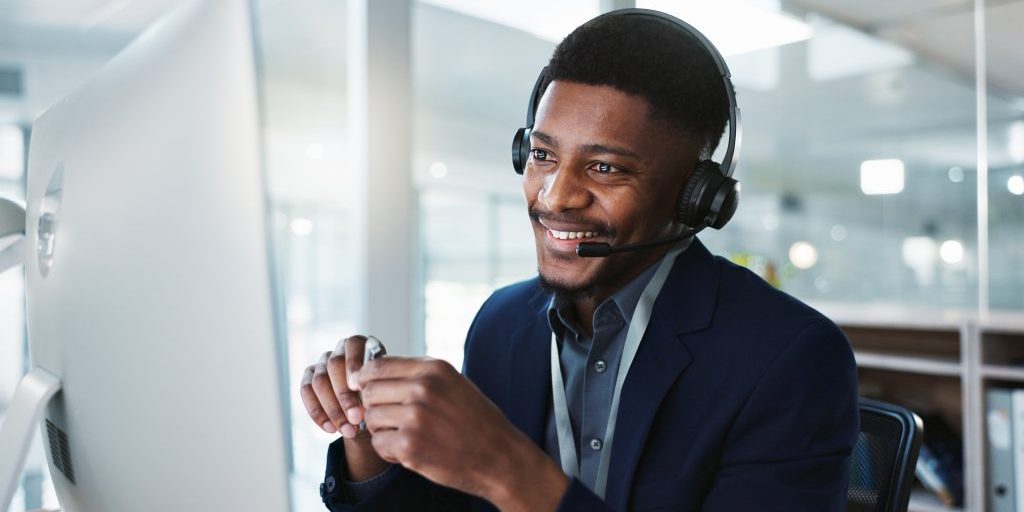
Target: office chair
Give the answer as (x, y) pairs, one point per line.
(883, 460)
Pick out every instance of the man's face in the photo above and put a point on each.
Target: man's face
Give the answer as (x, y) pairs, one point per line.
(601, 169)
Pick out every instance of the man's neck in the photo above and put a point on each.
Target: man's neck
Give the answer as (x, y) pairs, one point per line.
(585, 305)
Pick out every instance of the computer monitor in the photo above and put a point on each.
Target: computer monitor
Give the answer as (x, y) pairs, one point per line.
(149, 278)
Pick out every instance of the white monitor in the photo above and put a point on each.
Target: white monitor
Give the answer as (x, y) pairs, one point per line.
(149, 278)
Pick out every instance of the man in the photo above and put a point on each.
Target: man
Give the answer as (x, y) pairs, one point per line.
(738, 398)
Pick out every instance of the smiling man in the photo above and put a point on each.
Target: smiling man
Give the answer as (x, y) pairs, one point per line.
(659, 378)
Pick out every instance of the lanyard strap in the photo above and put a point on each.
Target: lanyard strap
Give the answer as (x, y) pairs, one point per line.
(637, 328)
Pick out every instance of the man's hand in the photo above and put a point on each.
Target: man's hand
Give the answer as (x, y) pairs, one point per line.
(426, 416)
(334, 406)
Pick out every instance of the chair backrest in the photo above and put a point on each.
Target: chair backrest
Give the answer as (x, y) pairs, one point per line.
(883, 459)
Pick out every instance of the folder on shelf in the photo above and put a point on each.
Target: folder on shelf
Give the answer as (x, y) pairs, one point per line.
(1018, 446)
(1000, 423)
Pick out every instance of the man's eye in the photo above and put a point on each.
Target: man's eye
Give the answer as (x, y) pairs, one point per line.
(604, 168)
(539, 154)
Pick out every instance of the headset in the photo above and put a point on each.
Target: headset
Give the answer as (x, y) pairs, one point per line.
(710, 195)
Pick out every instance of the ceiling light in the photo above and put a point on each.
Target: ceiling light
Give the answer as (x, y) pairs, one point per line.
(550, 20)
(838, 232)
(737, 26)
(951, 251)
(803, 255)
(438, 170)
(956, 174)
(301, 226)
(879, 177)
(1015, 184)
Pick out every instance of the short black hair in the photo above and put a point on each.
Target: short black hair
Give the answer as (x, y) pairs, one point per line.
(654, 59)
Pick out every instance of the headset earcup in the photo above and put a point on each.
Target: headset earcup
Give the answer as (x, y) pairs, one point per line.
(520, 149)
(726, 204)
(698, 193)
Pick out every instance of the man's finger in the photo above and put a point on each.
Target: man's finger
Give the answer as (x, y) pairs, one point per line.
(393, 367)
(393, 391)
(353, 346)
(312, 403)
(385, 417)
(325, 392)
(347, 399)
(386, 443)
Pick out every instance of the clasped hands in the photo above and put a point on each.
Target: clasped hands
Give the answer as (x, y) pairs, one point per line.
(423, 414)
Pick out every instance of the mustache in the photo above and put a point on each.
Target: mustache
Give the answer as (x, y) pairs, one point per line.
(599, 227)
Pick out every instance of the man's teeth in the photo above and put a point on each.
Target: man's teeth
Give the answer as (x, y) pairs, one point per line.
(569, 235)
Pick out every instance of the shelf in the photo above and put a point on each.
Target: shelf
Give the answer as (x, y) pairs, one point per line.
(923, 501)
(899, 316)
(908, 364)
(992, 371)
(893, 316)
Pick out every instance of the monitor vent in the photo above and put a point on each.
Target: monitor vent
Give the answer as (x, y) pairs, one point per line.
(10, 81)
(59, 452)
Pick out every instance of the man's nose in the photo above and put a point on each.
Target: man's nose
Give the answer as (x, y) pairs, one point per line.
(564, 189)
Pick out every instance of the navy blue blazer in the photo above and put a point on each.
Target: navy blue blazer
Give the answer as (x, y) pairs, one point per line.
(740, 398)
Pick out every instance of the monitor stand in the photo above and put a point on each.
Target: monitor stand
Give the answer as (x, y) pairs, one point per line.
(23, 416)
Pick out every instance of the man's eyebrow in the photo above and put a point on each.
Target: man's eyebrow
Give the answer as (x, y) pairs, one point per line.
(589, 148)
(615, 150)
(545, 138)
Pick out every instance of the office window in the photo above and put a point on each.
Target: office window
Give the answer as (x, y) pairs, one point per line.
(302, 62)
(473, 243)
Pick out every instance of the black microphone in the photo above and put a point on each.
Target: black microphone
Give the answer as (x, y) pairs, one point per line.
(601, 249)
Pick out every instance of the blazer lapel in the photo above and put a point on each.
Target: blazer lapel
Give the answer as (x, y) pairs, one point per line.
(529, 371)
(685, 304)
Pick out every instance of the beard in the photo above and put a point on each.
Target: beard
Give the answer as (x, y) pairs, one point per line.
(563, 291)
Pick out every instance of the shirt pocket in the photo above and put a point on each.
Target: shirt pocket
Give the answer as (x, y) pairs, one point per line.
(676, 494)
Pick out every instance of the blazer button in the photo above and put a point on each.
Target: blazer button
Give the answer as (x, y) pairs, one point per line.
(600, 366)
(595, 444)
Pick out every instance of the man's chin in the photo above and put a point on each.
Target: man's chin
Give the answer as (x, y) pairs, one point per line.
(564, 288)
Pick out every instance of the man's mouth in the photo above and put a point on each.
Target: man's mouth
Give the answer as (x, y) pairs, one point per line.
(571, 235)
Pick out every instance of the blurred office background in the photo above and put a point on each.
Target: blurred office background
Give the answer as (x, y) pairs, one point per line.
(865, 187)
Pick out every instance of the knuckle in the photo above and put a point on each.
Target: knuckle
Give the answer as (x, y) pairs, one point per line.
(439, 366)
(347, 400)
(431, 387)
(404, 446)
(366, 392)
(320, 377)
(421, 389)
(358, 338)
(417, 416)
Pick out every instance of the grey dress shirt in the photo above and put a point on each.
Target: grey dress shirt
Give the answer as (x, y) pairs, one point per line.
(590, 365)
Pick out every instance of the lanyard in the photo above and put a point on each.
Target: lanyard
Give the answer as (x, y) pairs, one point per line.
(637, 327)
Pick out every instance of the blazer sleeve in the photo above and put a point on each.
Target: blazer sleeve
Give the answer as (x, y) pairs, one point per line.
(789, 448)
(400, 489)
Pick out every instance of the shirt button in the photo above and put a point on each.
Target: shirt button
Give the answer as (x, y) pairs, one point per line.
(595, 444)
(600, 366)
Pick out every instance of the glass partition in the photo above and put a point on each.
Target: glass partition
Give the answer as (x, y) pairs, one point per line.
(857, 170)
(1005, 127)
